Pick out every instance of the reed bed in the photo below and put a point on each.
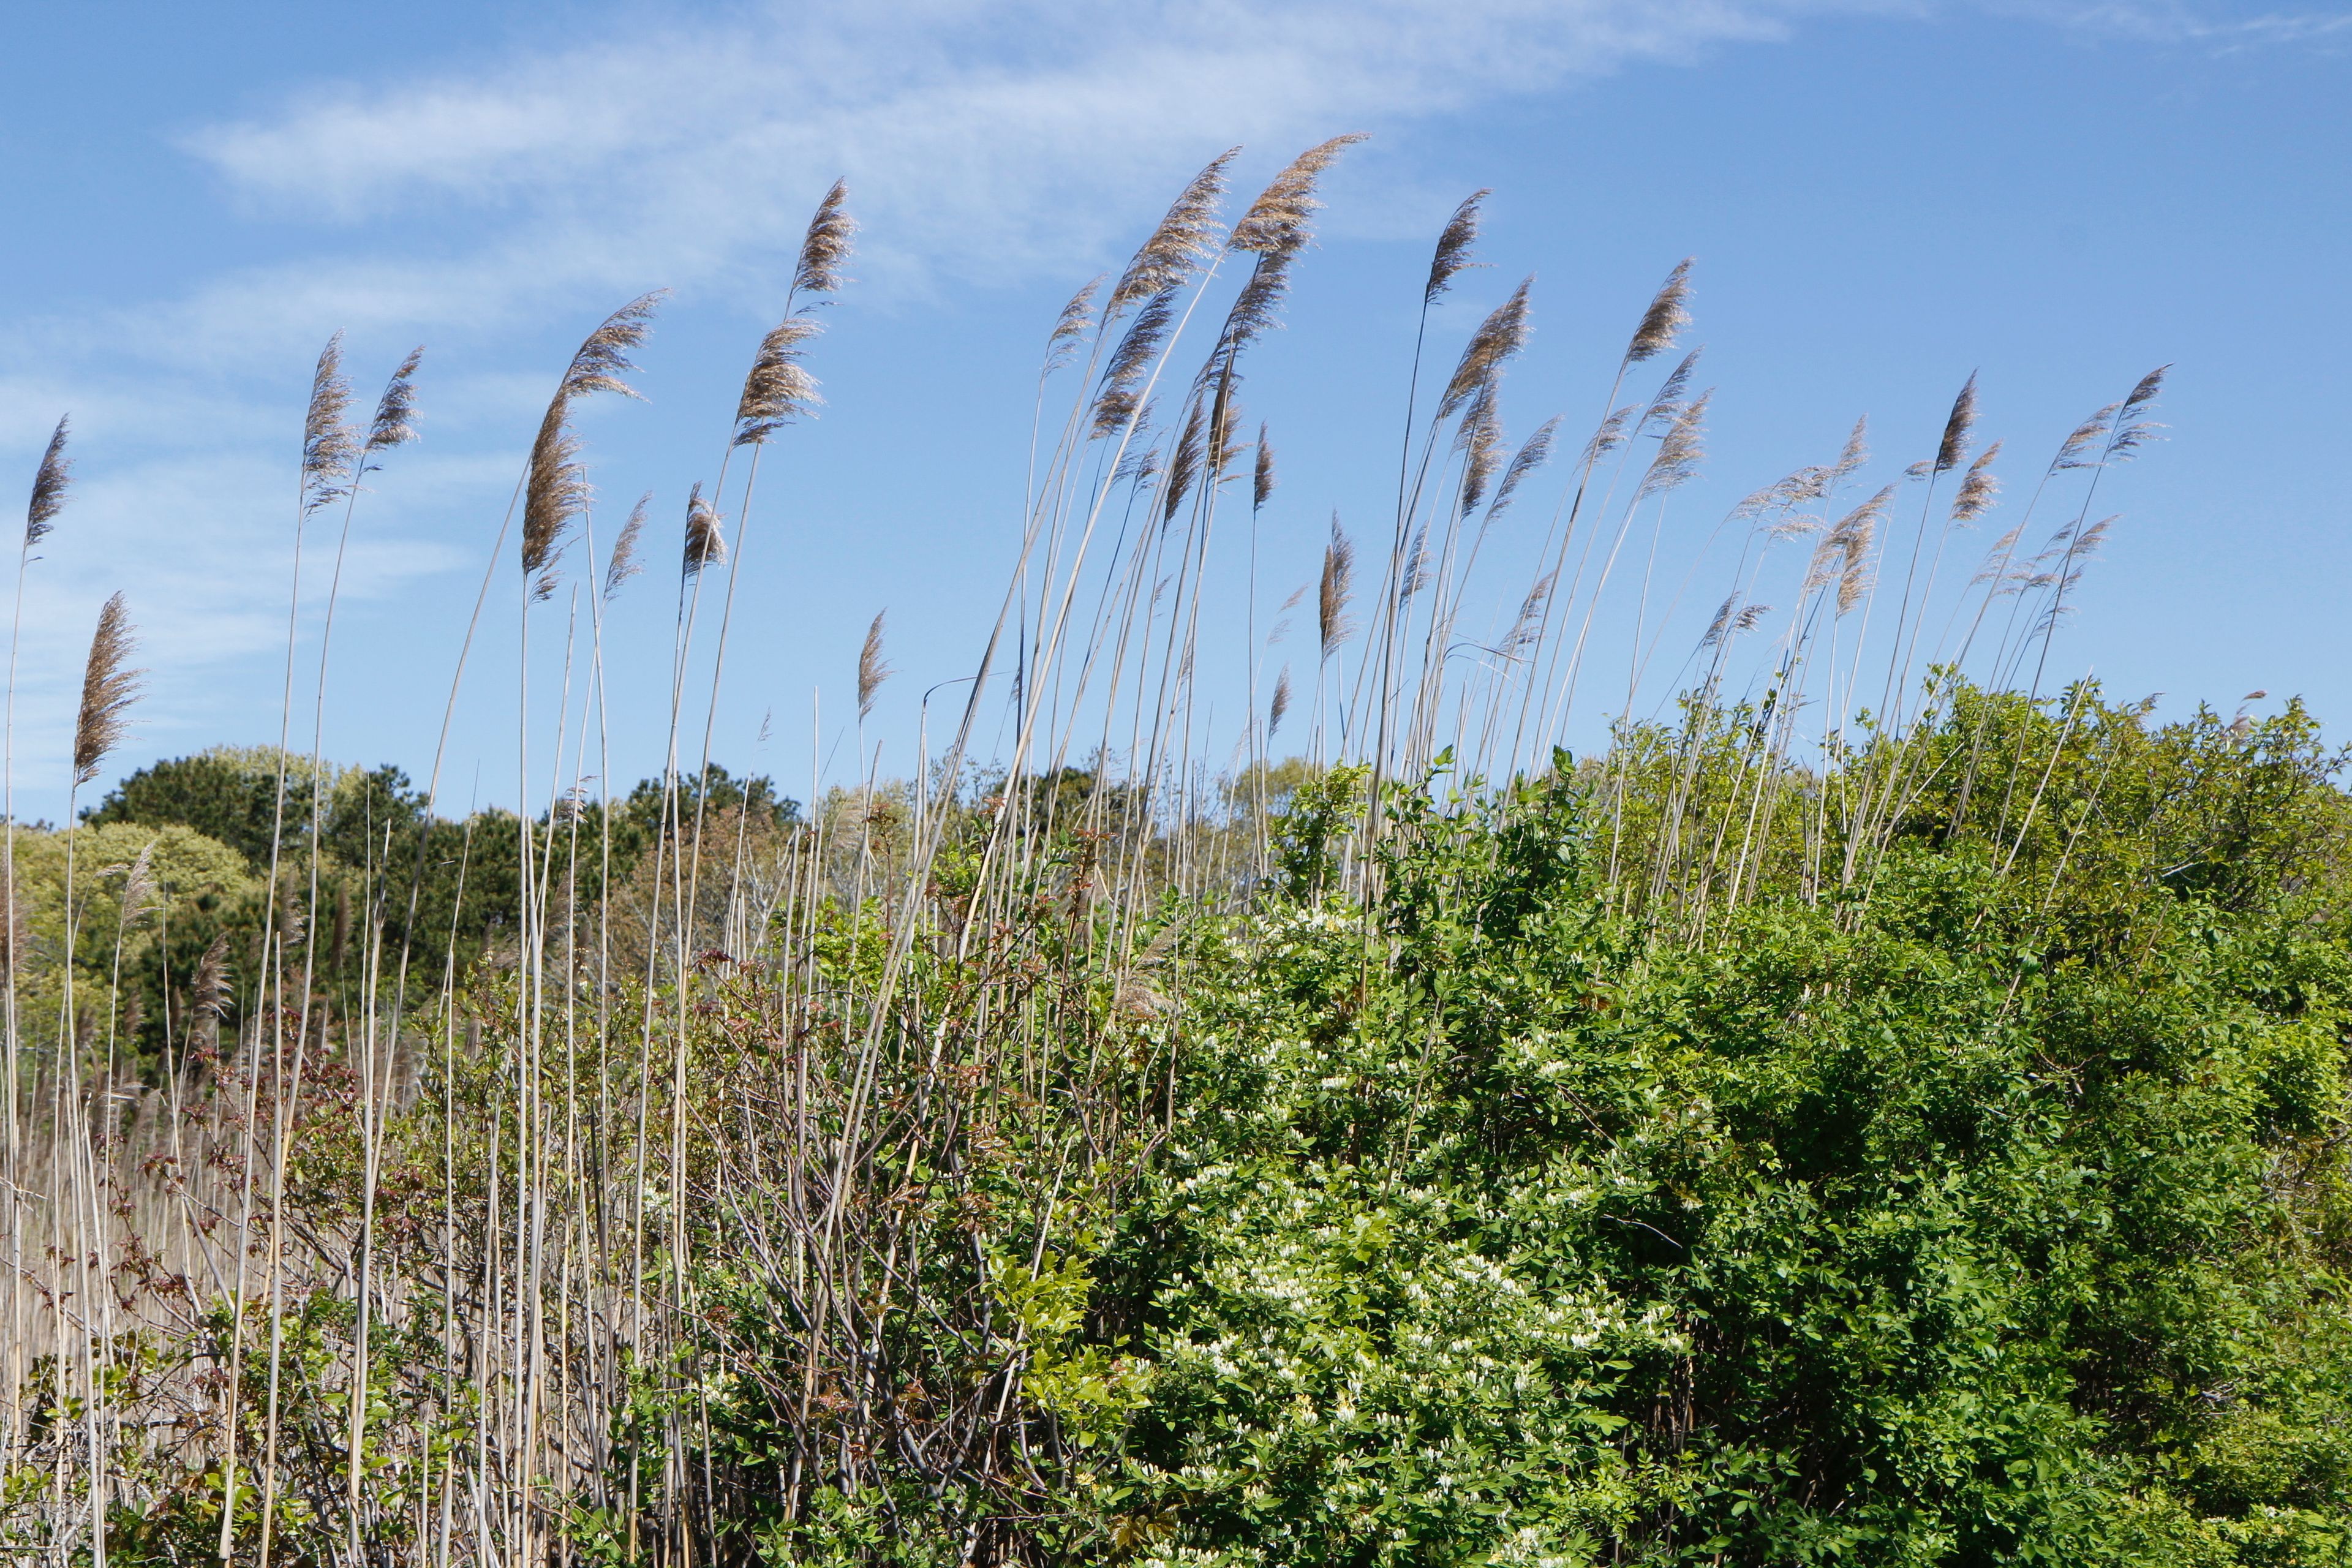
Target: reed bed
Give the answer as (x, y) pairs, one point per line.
(734, 1187)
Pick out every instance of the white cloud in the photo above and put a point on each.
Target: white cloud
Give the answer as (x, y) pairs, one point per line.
(982, 139)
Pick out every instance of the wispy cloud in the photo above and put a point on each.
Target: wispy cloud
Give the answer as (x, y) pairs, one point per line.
(982, 139)
(2180, 22)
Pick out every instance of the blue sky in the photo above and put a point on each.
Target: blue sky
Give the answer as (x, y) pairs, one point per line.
(1880, 199)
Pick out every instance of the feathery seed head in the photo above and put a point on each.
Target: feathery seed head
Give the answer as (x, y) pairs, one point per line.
(826, 245)
(706, 541)
(1953, 449)
(555, 492)
(1978, 489)
(1679, 451)
(1076, 318)
(1184, 465)
(1528, 625)
(108, 689)
(138, 886)
(2131, 431)
(329, 443)
(1280, 705)
(1331, 602)
(1531, 456)
(622, 563)
(1501, 335)
(1715, 628)
(1668, 314)
(1609, 437)
(211, 991)
(2082, 438)
(1185, 238)
(1139, 468)
(1850, 459)
(1417, 566)
(1115, 406)
(1262, 475)
(50, 482)
(394, 423)
(871, 671)
(602, 357)
(1660, 414)
(1277, 223)
(1851, 537)
(1454, 243)
(779, 388)
(1997, 565)
(1480, 439)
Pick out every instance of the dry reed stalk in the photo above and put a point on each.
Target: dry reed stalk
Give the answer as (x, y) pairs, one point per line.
(52, 478)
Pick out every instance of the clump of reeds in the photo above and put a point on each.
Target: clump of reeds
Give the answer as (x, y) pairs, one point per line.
(783, 1110)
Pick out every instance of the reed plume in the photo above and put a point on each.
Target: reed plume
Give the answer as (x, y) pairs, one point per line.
(706, 538)
(1855, 454)
(1978, 489)
(779, 388)
(1680, 452)
(602, 358)
(1668, 314)
(1116, 406)
(210, 993)
(329, 442)
(1454, 247)
(50, 482)
(555, 494)
(1851, 538)
(556, 491)
(1185, 238)
(1668, 402)
(1532, 454)
(1608, 438)
(1224, 417)
(1275, 709)
(1262, 472)
(1277, 223)
(826, 245)
(138, 886)
(1480, 442)
(1715, 628)
(2132, 432)
(871, 671)
(1417, 567)
(1526, 630)
(1275, 228)
(1184, 465)
(1331, 600)
(107, 691)
(1076, 319)
(2082, 438)
(1953, 449)
(394, 423)
(622, 563)
(1502, 334)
